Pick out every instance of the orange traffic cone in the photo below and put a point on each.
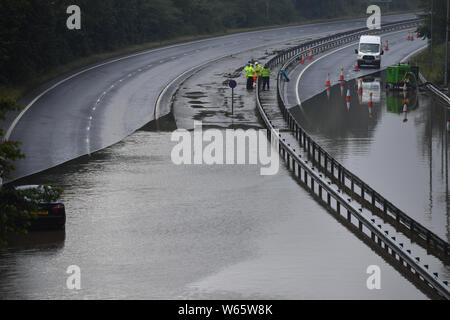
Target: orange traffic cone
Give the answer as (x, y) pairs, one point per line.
(371, 105)
(303, 59)
(405, 87)
(310, 54)
(360, 87)
(328, 83)
(405, 112)
(341, 77)
(356, 66)
(328, 93)
(387, 46)
(348, 97)
(342, 88)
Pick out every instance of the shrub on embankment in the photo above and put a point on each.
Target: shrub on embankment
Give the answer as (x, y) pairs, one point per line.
(432, 67)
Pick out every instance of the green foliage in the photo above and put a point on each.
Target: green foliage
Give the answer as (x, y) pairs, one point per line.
(34, 38)
(16, 206)
(9, 150)
(439, 20)
(432, 67)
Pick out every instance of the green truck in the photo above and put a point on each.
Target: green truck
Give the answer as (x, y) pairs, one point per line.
(396, 75)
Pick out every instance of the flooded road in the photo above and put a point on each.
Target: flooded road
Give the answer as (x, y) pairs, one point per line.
(406, 161)
(140, 227)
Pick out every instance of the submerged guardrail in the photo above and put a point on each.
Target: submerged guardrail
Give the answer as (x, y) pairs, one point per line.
(335, 200)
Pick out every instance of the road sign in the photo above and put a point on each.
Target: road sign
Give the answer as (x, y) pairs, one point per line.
(232, 84)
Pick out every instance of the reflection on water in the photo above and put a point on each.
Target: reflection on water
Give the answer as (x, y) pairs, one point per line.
(399, 147)
(140, 227)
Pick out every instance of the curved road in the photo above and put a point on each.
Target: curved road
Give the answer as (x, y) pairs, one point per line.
(406, 161)
(102, 105)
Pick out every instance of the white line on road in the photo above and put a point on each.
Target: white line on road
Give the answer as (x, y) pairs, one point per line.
(413, 53)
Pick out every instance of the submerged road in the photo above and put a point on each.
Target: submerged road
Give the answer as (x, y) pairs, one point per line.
(404, 159)
(103, 104)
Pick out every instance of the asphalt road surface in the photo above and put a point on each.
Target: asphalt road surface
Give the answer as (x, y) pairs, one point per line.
(104, 104)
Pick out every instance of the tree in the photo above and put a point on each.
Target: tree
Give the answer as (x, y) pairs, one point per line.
(439, 20)
(16, 206)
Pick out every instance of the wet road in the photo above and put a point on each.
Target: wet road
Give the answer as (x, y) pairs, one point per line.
(407, 162)
(104, 104)
(140, 227)
(314, 76)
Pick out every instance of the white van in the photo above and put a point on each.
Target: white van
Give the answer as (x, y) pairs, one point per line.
(369, 51)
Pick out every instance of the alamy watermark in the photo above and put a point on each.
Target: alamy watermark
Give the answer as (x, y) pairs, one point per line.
(74, 280)
(374, 280)
(226, 147)
(374, 21)
(74, 20)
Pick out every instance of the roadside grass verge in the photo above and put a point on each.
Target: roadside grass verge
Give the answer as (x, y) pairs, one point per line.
(432, 67)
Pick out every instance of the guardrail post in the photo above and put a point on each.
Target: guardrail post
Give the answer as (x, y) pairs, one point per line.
(328, 199)
(332, 167)
(373, 199)
(314, 152)
(338, 207)
(309, 146)
(320, 192)
(362, 191)
(320, 158)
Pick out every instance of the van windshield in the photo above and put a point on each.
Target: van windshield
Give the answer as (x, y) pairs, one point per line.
(369, 48)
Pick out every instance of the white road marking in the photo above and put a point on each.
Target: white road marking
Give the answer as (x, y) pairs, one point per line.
(413, 53)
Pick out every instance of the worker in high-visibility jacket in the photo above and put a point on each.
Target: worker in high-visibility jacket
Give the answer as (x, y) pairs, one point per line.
(250, 73)
(258, 70)
(265, 75)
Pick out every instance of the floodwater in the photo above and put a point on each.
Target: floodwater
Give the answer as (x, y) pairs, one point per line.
(404, 156)
(140, 227)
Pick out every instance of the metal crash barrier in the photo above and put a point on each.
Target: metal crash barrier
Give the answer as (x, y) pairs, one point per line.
(335, 200)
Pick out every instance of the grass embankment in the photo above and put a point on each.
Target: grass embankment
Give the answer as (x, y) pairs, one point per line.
(18, 91)
(432, 67)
